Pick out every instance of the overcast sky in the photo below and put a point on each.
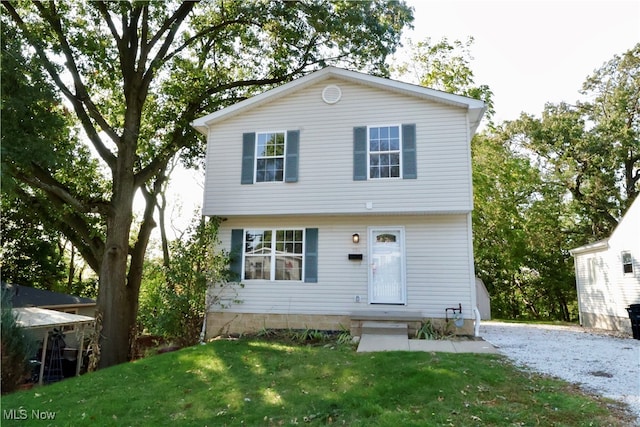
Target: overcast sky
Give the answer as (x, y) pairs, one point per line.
(532, 52)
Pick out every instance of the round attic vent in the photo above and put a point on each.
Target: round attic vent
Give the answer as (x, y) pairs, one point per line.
(331, 94)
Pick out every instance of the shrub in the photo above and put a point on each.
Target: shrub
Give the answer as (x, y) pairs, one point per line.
(174, 298)
(17, 346)
(430, 331)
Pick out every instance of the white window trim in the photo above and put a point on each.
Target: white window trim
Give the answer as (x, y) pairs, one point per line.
(273, 255)
(399, 126)
(255, 157)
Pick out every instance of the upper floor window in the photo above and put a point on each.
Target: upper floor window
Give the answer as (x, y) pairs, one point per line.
(270, 157)
(270, 151)
(384, 152)
(627, 262)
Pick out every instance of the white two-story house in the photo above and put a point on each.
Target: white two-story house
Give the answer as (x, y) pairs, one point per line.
(344, 197)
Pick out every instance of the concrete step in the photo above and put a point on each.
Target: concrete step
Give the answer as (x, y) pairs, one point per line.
(385, 328)
(372, 343)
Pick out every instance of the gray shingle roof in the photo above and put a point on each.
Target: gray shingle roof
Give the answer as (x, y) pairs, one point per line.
(25, 296)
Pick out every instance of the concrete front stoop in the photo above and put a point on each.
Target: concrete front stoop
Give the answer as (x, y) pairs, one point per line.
(385, 328)
(382, 336)
(387, 336)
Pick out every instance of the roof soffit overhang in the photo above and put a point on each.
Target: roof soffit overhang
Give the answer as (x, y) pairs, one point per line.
(598, 246)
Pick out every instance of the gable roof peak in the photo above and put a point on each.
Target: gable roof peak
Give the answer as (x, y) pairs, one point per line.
(475, 108)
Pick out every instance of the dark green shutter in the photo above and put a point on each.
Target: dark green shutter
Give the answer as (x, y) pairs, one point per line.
(360, 172)
(409, 161)
(291, 162)
(311, 255)
(248, 154)
(237, 236)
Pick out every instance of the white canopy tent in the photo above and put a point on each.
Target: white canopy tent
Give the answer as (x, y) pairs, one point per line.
(41, 318)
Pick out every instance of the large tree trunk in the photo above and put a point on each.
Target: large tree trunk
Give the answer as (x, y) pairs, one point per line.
(115, 302)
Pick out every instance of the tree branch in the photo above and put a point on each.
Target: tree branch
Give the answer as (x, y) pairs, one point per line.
(205, 32)
(148, 224)
(78, 106)
(102, 8)
(40, 178)
(171, 26)
(81, 95)
(73, 226)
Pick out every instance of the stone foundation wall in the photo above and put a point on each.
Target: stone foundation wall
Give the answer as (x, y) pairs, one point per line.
(225, 323)
(609, 323)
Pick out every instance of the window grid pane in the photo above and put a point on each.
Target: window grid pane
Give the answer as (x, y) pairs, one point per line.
(384, 152)
(257, 267)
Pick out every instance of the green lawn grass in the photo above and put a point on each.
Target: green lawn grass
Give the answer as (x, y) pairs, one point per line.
(252, 382)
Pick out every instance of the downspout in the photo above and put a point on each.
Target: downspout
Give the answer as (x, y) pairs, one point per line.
(476, 328)
(203, 331)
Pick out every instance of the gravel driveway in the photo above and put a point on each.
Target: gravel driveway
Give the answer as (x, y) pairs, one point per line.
(602, 364)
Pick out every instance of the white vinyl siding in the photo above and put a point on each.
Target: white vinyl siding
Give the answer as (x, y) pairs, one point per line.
(325, 182)
(439, 273)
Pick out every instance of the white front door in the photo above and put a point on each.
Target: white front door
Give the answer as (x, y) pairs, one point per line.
(386, 266)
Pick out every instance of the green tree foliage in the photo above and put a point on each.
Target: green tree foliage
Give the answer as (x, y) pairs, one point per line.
(613, 108)
(30, 252)
(174, 298)
(546, 185)
(445, 66)
(135, 74)
(521, 227)
(592, 149)
(569, 154)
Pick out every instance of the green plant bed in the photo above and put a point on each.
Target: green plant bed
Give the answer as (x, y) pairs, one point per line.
(254, 382)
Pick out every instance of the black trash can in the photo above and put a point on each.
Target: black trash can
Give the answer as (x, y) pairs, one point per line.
(634, 315)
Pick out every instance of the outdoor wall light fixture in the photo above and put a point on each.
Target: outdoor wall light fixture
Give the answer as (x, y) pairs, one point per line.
(355, 238)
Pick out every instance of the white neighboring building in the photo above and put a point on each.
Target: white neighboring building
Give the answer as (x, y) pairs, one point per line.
(608, 275)
(344, 197)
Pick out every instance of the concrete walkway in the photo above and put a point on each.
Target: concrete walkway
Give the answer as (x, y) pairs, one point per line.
(375, 342)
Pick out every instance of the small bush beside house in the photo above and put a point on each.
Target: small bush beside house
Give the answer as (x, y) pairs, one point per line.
(173, 298)
(17, 347)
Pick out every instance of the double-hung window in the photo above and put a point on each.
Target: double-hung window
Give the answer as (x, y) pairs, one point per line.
(274, 254)
(384, 152)
(270, 157)
(270, 152)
